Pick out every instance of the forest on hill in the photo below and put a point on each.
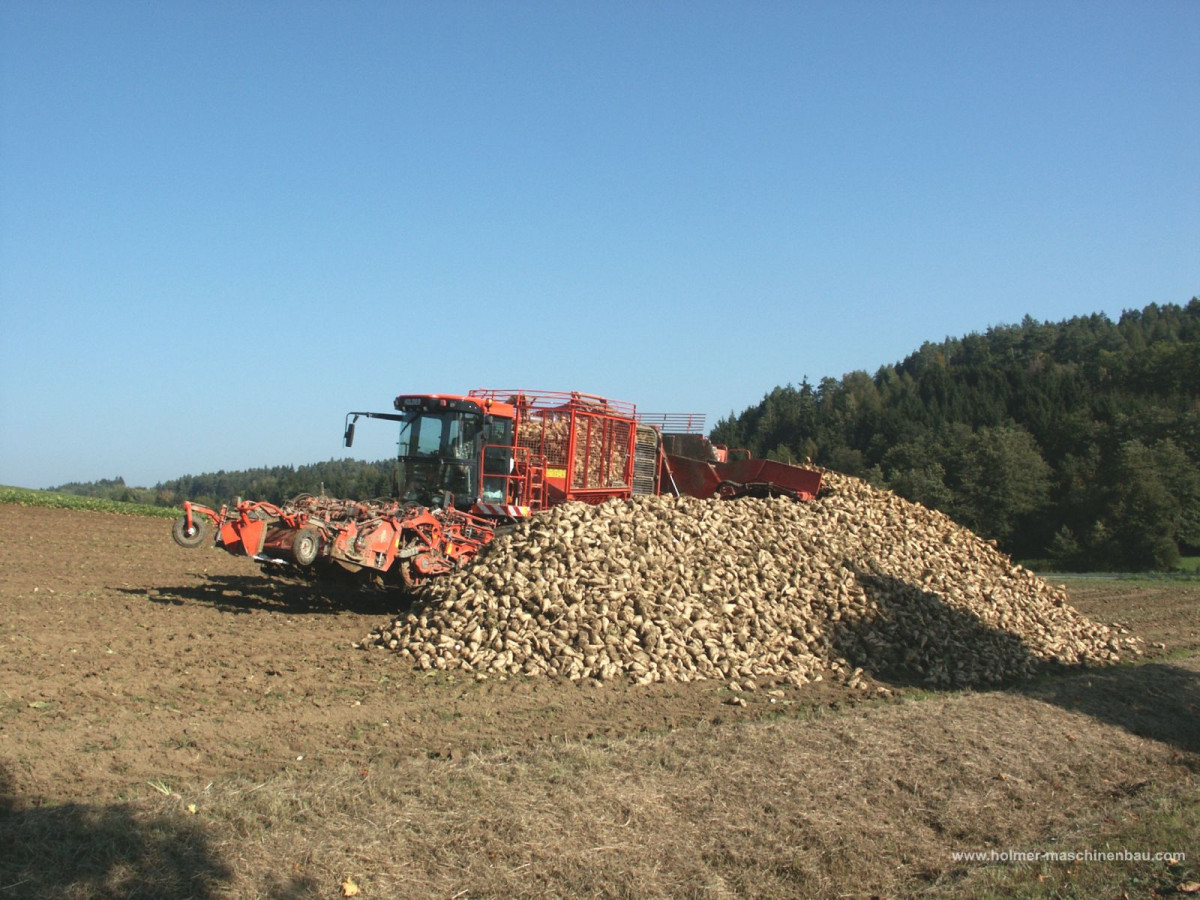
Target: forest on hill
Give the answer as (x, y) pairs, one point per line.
(1076, 443)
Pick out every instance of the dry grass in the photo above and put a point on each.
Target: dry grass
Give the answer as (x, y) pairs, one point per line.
(867, 802)
(127, 850)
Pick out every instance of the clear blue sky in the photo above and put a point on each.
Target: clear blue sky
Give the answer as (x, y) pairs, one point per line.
(223, 225)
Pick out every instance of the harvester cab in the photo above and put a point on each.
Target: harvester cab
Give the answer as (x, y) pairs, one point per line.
(453, 451)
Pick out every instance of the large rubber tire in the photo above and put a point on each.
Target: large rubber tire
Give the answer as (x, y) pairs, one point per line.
(190, 539)
(306, 546)
(406, 570)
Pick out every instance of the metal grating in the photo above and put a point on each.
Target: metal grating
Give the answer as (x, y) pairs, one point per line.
(674, 423)
(645, 460)
(601, 452)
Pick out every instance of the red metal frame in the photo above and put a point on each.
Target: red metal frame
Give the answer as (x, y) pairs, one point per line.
(583, 443)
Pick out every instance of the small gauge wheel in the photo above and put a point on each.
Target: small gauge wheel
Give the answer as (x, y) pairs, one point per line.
(189, 537)
(306, 545)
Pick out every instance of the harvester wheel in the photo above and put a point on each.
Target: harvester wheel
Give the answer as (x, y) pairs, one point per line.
(190, 538)
(305, 546)
(409, 576)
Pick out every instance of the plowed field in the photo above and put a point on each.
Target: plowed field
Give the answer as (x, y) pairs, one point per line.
(142, 681)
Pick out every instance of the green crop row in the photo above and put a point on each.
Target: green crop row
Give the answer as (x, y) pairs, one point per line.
(27, 497)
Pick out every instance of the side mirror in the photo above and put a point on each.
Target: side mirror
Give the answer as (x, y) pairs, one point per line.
(349, 437)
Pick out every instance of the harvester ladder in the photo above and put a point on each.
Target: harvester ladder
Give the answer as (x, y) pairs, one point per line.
(537, 485)
(645, 459)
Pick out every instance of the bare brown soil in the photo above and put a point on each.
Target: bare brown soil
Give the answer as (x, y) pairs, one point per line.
(128, 659)
(132, 670)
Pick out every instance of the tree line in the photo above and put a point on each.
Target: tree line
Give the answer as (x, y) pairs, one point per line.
(350, 478)
(1074, 443)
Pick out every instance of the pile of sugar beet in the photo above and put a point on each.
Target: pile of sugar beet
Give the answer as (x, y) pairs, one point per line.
(750, 591)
